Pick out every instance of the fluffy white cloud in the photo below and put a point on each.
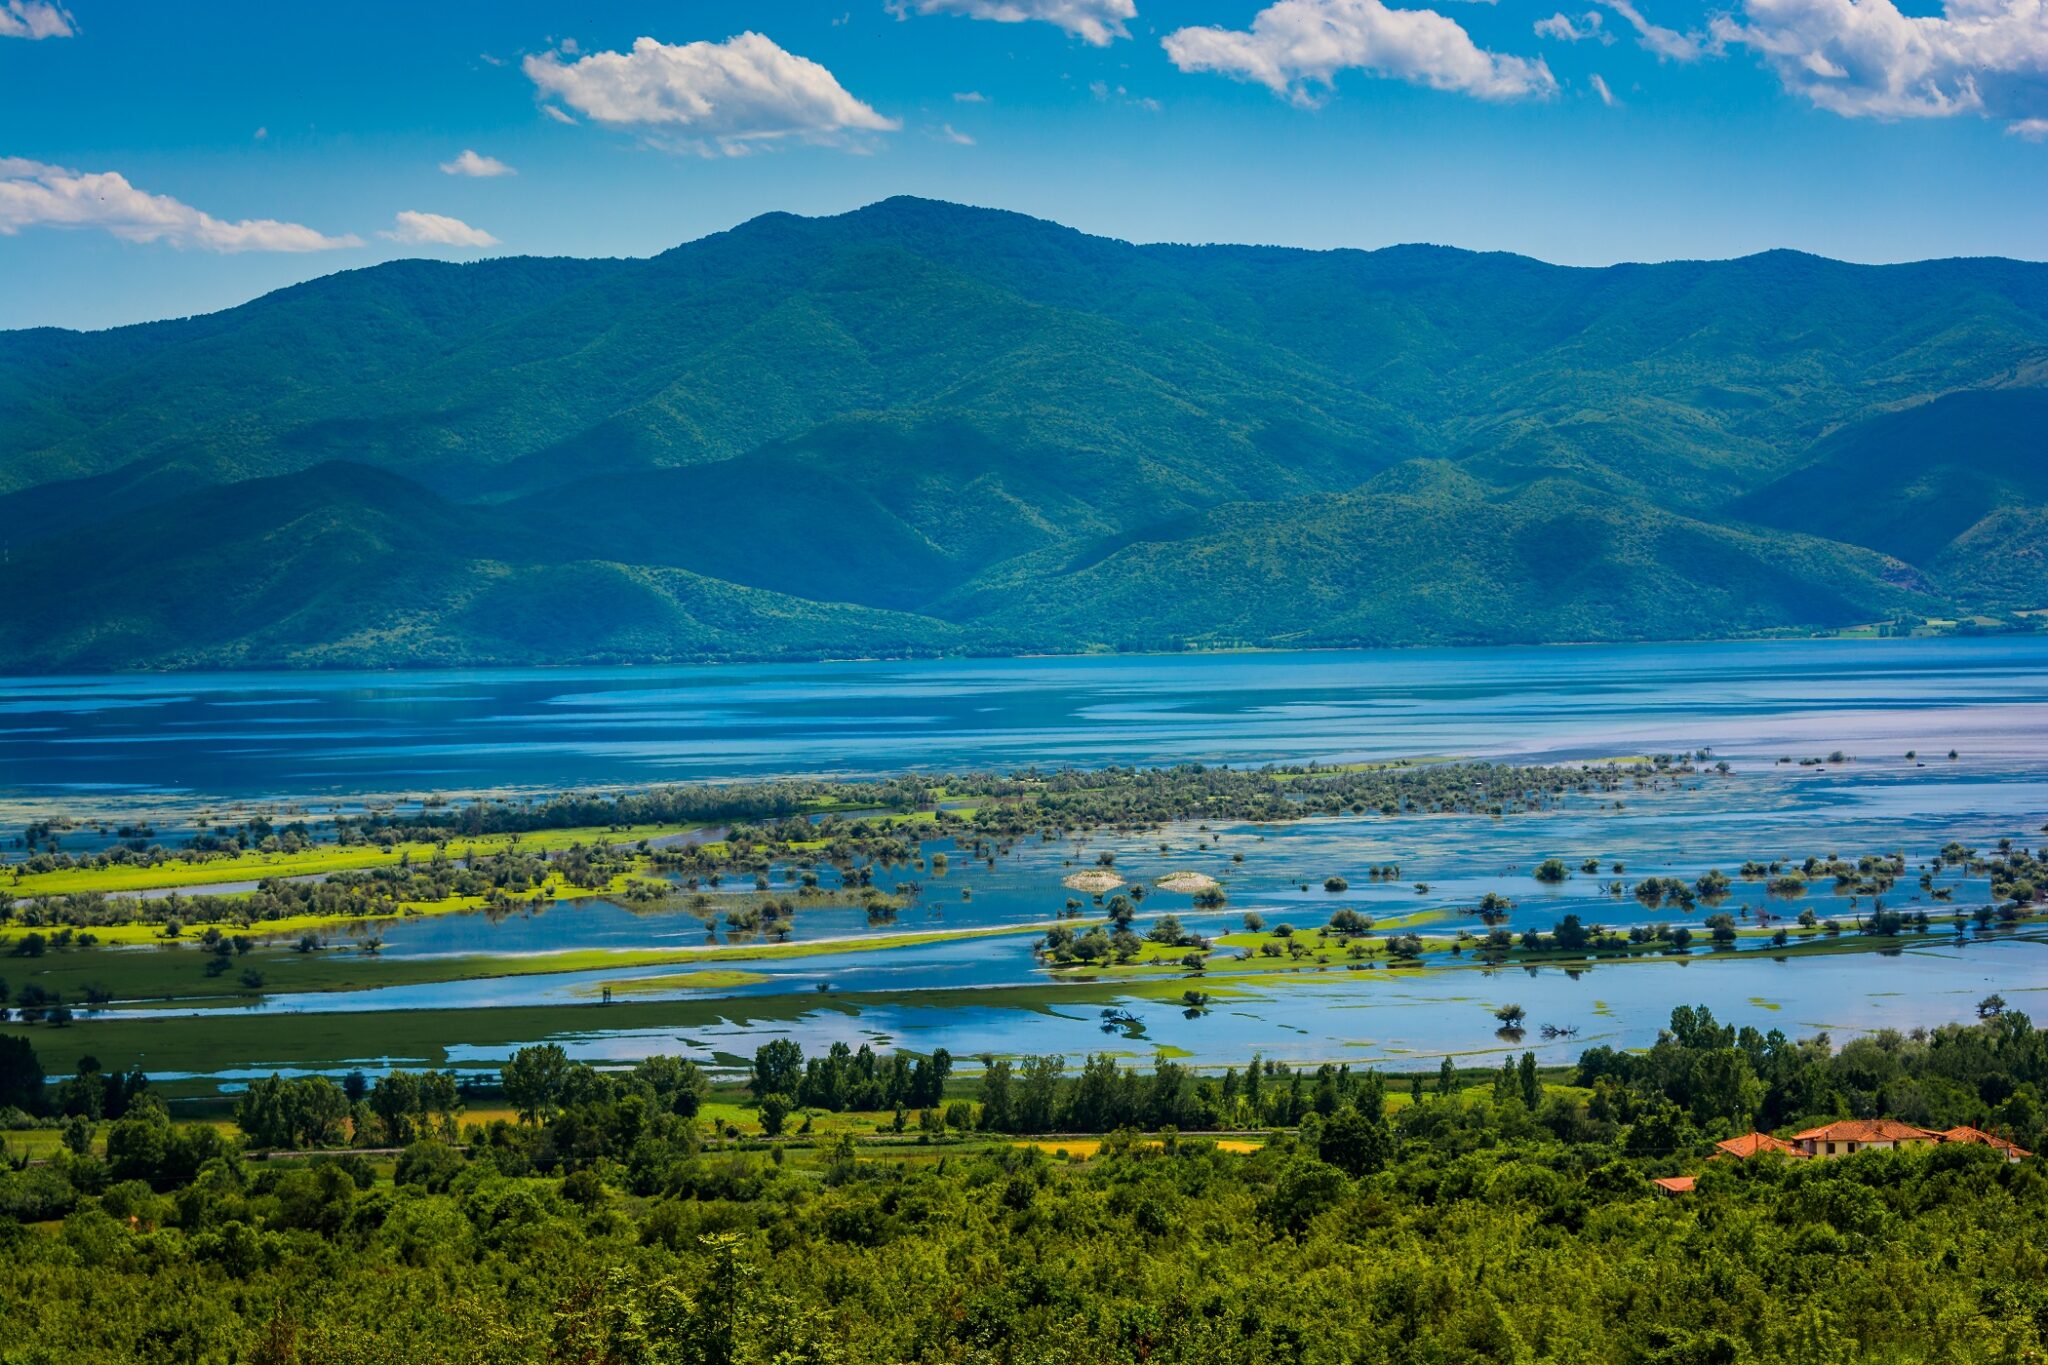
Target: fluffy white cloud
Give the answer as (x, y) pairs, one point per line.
(476, 164)
(34, 194)
(1669, 44)
(33, 19)
(1294, 44)
(1864, 58)
(1567, 30)
(434, 229)
(731, 95)
(2032, 129)
(1600, 88)
(1100, 22)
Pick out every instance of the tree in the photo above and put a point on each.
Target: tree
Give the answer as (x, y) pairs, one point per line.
(303, 1111)
(777, 1069)
(397, 1099)
(428, 1164)
(1349, 922)
(1354, 1143)
(1166, 929)
(1991, 1006)
(1552, 870)
(1532, 1089)
(678, 1086)
(21, 1075)
(1511, 1017)
(997, 1112)
(774, 1110)
(534, 1078)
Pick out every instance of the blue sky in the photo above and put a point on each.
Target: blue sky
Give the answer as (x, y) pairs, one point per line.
(161, 160)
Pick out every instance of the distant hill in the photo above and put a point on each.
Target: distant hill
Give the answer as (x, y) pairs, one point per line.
(921, 427)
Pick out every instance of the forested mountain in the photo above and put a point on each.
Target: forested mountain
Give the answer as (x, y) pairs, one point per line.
(924, 427)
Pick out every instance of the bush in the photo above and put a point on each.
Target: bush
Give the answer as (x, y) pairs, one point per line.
(429, 1164)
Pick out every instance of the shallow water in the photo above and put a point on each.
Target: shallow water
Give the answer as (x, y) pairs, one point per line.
(115, 744)
(104, 742)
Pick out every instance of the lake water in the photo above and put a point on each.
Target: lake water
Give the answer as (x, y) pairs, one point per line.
(112, 744)
(88, 742)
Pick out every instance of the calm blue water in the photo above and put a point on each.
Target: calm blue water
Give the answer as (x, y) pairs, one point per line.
(109, 745)
(109, 742)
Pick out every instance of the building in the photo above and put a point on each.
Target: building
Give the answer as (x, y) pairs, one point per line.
(1849, 1136)
(2013, 1151)
(1671, 1186)
(1754, 1144)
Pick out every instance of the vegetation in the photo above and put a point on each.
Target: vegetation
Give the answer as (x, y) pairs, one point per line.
(1384, 432)
(1453, 1215)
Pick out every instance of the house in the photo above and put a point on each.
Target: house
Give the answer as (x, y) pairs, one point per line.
(2013, 1151)
(1754, 1144)
(1849, 1136)
(1672, 1185)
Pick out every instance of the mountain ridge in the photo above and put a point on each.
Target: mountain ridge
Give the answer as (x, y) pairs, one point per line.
(956, 428)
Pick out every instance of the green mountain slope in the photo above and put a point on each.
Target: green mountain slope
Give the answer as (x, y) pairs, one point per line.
(1426, 554)
(1911, 483)
(346, 565)
(921, 426)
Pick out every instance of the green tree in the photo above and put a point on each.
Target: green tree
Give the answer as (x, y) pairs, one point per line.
(778, 1069)
(533, 1080)
(1354, 1143)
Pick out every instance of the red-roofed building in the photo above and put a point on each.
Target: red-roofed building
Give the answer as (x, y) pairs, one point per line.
(1674, 1184)
(1849, 1136)
(1755, 1144)
(2013, 1151)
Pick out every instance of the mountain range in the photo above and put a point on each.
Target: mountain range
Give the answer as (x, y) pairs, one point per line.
(920, 427)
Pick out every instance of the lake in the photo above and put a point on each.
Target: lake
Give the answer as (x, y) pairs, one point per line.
(88, 743)
(170, 745)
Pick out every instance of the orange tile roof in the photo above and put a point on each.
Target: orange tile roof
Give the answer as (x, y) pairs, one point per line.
(1675, 1184)
(1966, 1133)
(1866, 1130)
(1751, 1144)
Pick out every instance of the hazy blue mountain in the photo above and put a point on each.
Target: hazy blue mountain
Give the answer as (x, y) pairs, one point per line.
(921, 426)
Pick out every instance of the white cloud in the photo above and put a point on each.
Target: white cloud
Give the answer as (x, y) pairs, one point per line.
(1600, 88)
(434, 229)
(1295, 44)
(1105, 93)
(955, 136)
(1100, 22)
(34, 19)
(2032, 129)
(969, 97)
(1668, 44)
(1566, 30)
(557, 114)
(1864, 58)
(734, 94)
(34, 194)
(473, 163)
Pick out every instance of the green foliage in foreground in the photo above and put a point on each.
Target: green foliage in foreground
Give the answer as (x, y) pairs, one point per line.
(1517, 1225)
(1521, 1251)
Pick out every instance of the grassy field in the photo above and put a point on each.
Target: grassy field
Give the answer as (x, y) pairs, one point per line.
(259, 1042)
(553, 888)
(317, 861)
(179, 971)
